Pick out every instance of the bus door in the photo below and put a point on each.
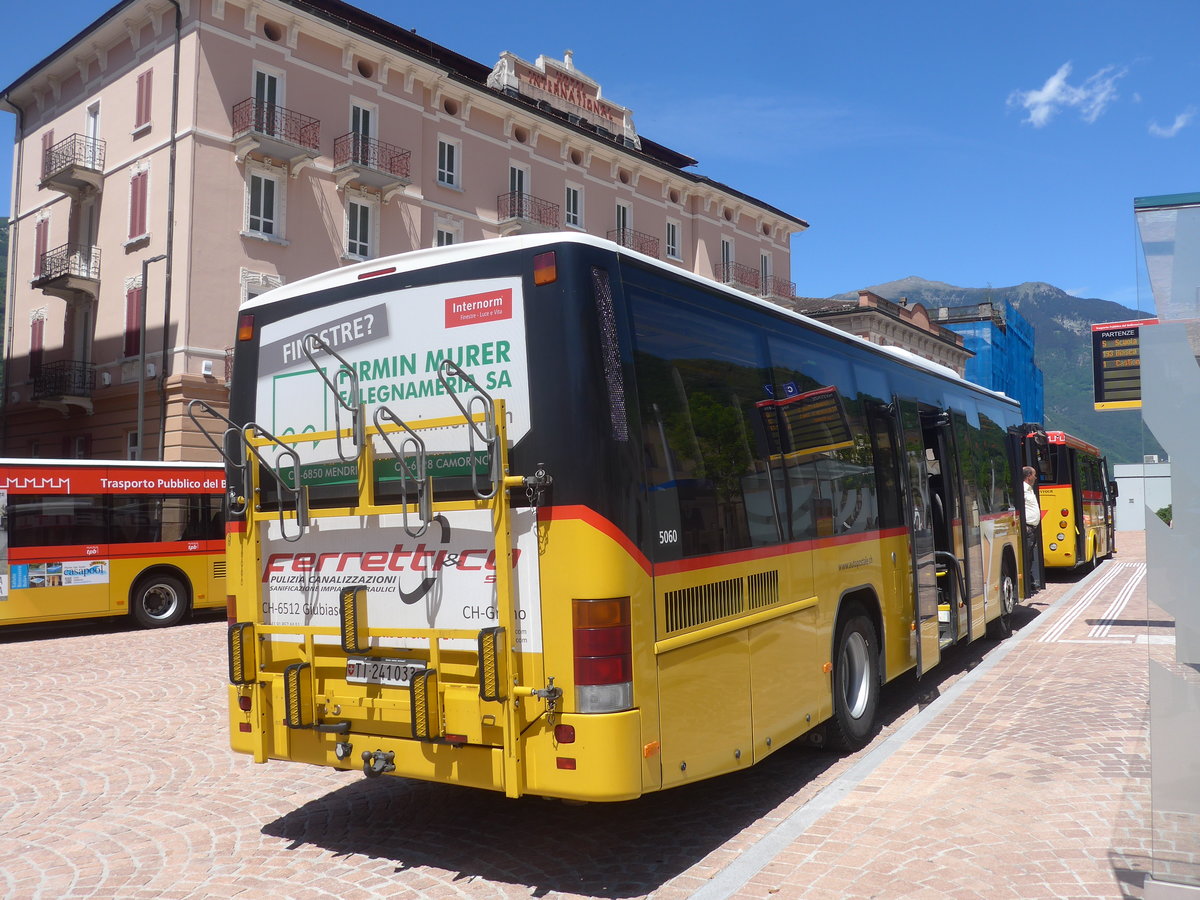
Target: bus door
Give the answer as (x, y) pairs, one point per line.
(918, 515)
(950, 526)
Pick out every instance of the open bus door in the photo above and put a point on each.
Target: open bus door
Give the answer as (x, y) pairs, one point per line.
(918, 515)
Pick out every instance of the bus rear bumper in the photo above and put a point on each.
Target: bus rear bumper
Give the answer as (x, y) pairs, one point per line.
(604, 762)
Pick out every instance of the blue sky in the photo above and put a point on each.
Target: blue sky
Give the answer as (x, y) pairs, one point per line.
(982, 143)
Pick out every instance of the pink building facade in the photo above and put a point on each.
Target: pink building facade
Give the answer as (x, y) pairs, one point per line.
(174, 159)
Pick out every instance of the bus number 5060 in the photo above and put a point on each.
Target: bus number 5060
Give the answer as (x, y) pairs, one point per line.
(668, 536)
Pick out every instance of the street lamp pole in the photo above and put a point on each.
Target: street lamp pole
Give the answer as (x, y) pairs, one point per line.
(141, 404)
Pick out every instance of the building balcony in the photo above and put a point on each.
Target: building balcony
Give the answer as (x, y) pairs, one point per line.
(69, 271)
(63, 384)
(280, 134)
(779, 288)
(519, 213)
(371, 163)
(74, 165)
(744, 278)
(635, 240)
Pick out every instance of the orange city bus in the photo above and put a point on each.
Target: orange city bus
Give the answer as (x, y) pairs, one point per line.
(543, 515)
(103, 538)
(1076, 496)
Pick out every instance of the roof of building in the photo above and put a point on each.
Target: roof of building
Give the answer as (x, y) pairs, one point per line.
(460, 68)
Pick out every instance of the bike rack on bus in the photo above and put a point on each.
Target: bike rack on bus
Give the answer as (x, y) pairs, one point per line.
(487, 435)
(356, 410)
(414, 467)
(237, 494)
(275, 470)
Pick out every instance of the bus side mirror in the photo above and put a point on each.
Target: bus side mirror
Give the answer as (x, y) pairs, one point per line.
(1112, 490)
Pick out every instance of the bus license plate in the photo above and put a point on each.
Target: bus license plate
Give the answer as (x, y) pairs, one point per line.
(378, 670)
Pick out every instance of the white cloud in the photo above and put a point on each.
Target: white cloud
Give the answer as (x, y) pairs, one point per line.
(1091, 97)
(1181, 122)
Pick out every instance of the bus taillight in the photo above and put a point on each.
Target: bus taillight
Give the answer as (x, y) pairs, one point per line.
(603, 655)
(245, 328)
(545, 268)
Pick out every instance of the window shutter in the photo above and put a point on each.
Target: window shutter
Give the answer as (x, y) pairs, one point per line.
(41, 235)
(137, 204)
(47, 143)
(133, 321)
(36, 332)
(144, 82)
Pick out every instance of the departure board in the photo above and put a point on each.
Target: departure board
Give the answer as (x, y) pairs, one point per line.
(1117, 364)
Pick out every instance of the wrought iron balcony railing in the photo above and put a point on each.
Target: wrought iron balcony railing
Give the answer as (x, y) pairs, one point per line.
(228, 365)
(77, 150)
(64, 378)
(515, 205)
(355, 149)
(779, 287)
(78, 260)
(740, 276)
(635, 240)
(252, 116)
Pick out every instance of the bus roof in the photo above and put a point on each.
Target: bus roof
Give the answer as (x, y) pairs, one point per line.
(435, 256)
(1069, 440)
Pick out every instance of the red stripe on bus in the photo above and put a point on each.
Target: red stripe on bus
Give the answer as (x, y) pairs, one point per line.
(235, 527)
(752, 554)
(82, 552)
(590, 517)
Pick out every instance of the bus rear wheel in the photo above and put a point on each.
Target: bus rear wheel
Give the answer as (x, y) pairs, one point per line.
(160, 601)
(855, 683)
(1001, 626)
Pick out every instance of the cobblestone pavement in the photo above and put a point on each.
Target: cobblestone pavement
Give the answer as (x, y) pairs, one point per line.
(118, 783)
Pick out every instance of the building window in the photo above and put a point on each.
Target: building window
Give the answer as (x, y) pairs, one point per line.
(139, 186)
(448, 163)
(133, 321)
(726, 259)
(623, 216)
(359, 222)
(141, 116)
(445, 237)
(37, 336)
(362, 127)
(672, 239)
(573, 206)
(764, 272)
(265, 196)
(131, 445)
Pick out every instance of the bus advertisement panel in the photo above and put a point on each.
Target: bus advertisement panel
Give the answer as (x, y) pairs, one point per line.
(83, 538)
(545, 516)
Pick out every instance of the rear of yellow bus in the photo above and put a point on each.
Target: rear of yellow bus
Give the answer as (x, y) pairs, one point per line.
(418, 607)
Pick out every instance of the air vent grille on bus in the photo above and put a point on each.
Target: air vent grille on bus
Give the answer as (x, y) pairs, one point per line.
(762, 589)
(704, 603)
(708, 603)
(218, 569)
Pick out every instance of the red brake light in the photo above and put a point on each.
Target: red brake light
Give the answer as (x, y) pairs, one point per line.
(1065, 513)
(545, 268)
(603, 669)
(245, 329)
(245, 702)
(602, 641)
(377, 273)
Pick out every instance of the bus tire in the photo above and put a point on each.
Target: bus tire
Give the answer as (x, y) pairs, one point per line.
(855, 683)
(159, 600)
(1001, 626)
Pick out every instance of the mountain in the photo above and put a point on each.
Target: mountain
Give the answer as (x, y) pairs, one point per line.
(1063, 350)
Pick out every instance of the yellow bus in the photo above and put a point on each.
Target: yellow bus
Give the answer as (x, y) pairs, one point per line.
(543, 515)
(1077, 499)
(83, 538)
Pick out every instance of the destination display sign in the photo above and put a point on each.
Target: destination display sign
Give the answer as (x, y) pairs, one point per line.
(1117, 364)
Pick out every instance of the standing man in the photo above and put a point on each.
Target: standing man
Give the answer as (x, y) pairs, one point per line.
(1033, 530)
